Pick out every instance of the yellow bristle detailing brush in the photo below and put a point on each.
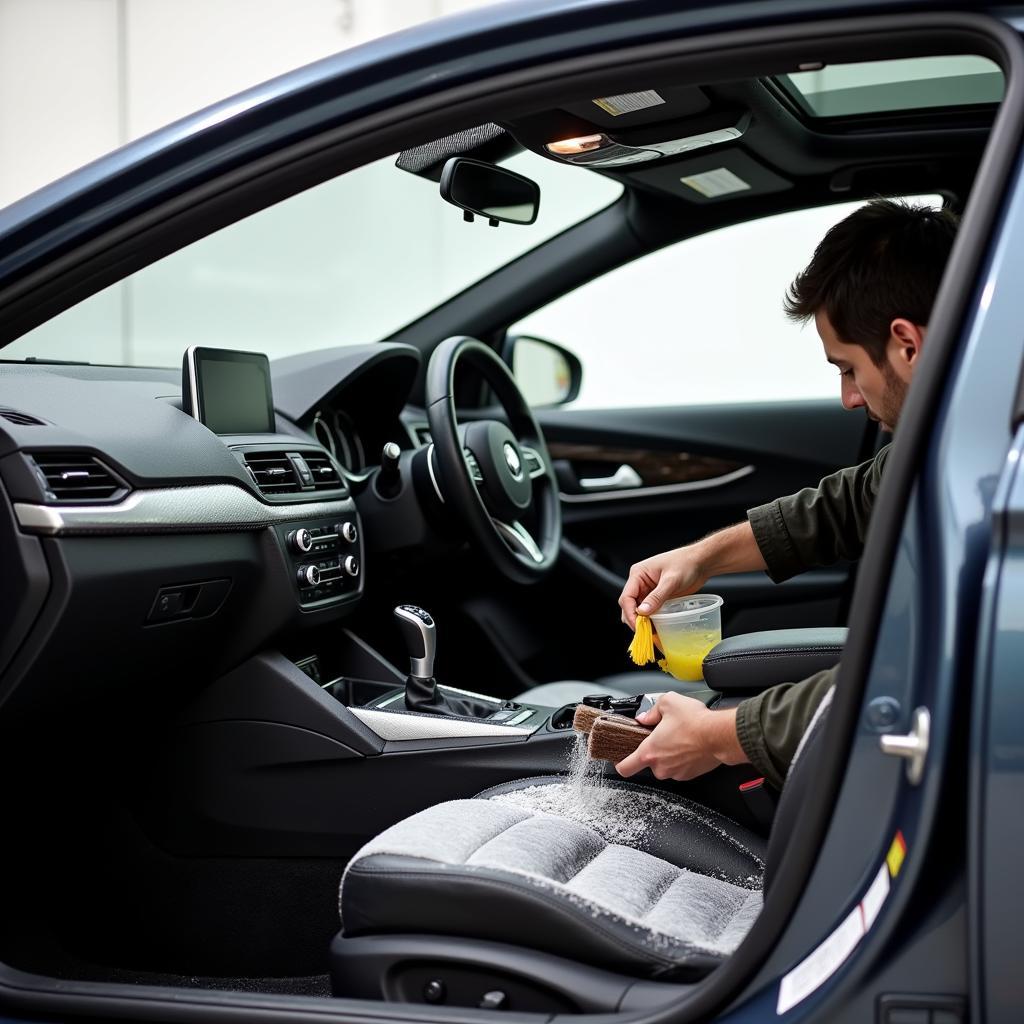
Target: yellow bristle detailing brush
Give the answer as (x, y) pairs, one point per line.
(641, 650)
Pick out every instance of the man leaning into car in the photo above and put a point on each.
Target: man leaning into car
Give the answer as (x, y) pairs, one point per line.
(870, 287)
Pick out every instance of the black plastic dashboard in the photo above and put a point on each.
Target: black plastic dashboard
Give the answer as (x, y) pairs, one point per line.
(138, 544)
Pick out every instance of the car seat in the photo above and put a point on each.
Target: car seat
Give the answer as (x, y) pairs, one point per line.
(551, 903)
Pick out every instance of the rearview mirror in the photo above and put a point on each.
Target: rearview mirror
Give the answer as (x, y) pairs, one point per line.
(491, 191)
(547, 374)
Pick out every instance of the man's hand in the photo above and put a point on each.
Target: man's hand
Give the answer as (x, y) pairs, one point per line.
(688, 740)
(685, 570)
(656, 579)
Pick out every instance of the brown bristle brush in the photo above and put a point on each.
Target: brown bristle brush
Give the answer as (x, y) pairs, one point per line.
(585, 716)
(613, 737)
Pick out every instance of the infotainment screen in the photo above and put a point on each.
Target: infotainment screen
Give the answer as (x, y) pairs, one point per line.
(228, 391)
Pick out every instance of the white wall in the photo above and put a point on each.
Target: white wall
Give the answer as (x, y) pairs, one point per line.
(79, 78)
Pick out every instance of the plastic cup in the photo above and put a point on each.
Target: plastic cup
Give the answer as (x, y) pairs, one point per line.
(687, 628)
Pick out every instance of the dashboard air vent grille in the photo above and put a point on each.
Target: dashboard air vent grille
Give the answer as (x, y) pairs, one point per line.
(325, 476)
(76, 478)
(273, 472)
(21, 418)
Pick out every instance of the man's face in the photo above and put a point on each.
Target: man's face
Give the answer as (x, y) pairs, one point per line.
(880, 389)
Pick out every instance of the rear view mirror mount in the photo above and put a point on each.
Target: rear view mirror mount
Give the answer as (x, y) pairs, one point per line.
(500, 195)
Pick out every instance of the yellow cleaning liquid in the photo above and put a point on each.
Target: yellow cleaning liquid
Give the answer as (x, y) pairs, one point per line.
(684, 654)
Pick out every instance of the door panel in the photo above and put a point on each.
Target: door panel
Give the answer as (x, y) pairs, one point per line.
(732, 458)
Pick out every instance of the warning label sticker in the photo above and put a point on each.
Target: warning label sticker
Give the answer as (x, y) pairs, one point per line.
(629, 102)
(815, 969)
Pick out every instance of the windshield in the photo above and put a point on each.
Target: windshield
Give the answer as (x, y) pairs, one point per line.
(348, 262)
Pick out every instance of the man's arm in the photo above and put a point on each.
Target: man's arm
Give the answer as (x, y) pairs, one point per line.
(685, 570)
(690, 739)
(818, 525)
(770, 726)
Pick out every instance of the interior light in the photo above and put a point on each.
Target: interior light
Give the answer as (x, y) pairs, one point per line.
(573, 147)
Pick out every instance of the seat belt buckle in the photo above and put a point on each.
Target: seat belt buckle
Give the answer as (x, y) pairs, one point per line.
(761, 801)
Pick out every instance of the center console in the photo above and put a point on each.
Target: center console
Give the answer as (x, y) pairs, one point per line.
(325, 557)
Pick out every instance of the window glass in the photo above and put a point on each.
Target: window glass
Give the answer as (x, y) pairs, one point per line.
(347, 262)
(701, 321)
(878, 86)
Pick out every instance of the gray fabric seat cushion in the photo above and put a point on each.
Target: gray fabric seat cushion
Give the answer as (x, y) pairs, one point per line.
(629, 878)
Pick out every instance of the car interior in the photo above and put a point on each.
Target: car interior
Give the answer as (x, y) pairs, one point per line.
(283, 629)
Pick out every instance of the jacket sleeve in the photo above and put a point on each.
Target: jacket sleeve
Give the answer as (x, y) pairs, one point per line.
(818, 525)
(771, 725)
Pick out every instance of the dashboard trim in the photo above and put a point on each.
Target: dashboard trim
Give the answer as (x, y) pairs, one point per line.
(172, 510)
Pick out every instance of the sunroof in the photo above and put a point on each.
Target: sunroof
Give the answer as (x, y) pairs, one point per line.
(882, 86)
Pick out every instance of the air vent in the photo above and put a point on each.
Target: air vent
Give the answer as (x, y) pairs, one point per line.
(325, 476)
(273, 472)
(76, 478)
(422, 434)
(21, 418)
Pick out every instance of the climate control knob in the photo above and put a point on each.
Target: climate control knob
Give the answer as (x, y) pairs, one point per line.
(349, 532)
(301, 541)
(351, 565)
(309, 575)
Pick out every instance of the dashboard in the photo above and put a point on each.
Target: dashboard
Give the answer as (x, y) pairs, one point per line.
(137, 542)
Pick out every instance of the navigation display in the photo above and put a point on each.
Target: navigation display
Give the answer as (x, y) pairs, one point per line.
(228, 391)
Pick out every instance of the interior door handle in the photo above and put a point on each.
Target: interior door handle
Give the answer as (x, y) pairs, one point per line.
(624, 477)
(913, 746)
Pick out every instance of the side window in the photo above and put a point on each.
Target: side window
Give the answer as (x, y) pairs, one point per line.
(701, 321)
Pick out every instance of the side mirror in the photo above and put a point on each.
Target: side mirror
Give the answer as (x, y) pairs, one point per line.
(547, 374)
(491, 191)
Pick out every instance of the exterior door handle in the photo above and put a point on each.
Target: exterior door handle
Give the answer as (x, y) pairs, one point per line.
(913, 746)
(624, 477)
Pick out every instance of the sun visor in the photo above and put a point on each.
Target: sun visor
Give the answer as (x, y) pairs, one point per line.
(711, 178)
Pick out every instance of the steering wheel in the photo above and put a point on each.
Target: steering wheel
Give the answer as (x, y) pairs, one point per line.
(492, 475)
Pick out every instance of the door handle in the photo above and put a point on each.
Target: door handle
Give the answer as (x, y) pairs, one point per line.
(624, 477)
(913, 746)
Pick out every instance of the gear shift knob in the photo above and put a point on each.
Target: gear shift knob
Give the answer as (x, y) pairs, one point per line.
(417, 627)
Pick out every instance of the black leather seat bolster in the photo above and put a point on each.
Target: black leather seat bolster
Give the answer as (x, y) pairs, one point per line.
(386, 893)
(752, 662)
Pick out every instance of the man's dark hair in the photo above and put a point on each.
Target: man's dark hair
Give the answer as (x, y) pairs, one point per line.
(882, 262)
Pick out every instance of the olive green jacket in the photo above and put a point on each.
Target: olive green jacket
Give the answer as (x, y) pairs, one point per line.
(816, 526)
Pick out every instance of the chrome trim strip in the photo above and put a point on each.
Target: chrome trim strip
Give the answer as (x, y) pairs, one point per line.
(648, 492)
(392, 725)
(430, 470)
(172, 510)
(518, 538)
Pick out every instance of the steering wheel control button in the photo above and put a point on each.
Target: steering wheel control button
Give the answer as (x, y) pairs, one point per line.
(301, 541)
(349, 532)
(434, 991)
(351, 566)
(309, 576)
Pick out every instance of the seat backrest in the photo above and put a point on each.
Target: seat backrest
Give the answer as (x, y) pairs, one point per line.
(794, 792)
